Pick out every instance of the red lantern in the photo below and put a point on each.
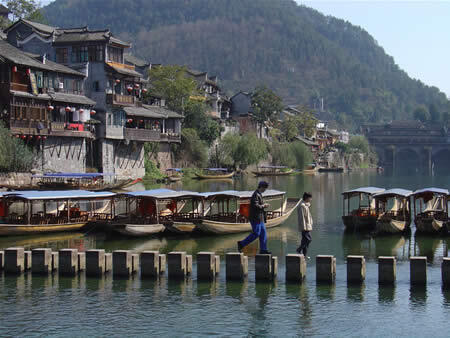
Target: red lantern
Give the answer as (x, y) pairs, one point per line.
(51, 107)
(129, 88)
(117, 81)
(136, 85)
(17, 136)
(45, 137)
(23, 137)
(144, 90)
(157, 122)
(30, 137)
(93, 112)
(28, 71)
(68, 109)
(14, 69)
(81, 111)
(38, 137)
(130, 120)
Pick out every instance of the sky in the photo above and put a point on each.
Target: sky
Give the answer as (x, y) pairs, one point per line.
(415, 33)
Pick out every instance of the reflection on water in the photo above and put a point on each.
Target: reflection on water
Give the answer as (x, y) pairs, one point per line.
(54, 305)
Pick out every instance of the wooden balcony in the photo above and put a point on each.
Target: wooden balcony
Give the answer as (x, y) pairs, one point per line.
(121, 100)
(120, 65)
(112, 132)
(144, 135)
(19, 87)
(59, 129)
(171, 138)
(29, 127)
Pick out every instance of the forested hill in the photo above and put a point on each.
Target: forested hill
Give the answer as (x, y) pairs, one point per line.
(300, 53)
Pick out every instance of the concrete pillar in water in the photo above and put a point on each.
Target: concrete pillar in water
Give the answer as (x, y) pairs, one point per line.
(236, 265)
(68, 262)
(189, 262)
(95, 262)
(27, 260)
(162, 264)
(206, 266)
(122, 263)
(264, 267)
(325, 269)
(387, 270)
(41, 261)
(81, 261)
(217, 262)
(418, 270)
(274, 267)
(149, 264)
(55, 261)
(2, 260)
(108, 262)
(295, 268)
(176, 262)
(446, 272)
(135, 263)
(356, 269)
(14, 260)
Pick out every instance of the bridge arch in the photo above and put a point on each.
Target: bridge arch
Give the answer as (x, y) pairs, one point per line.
(441, 161)
(409, 160)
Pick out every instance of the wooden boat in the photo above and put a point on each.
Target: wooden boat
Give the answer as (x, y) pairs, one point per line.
(174, 174)
(214, 173)
(229, 211)
(430, 210)
(393, 211)
(362, 216)
(272, 170)
(311, 169)
(331, 170)
(34, 212)
(145, 213)
(84, 181)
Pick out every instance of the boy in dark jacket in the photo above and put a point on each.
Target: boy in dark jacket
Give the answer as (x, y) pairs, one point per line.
(257, 218)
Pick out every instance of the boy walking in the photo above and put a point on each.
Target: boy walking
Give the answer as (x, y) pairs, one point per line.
(305, 223)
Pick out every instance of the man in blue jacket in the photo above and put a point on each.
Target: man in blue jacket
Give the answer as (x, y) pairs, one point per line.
(257, 219)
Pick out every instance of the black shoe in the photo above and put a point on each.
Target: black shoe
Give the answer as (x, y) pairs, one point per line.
(239, 246)
(265, 252)
(299, 250)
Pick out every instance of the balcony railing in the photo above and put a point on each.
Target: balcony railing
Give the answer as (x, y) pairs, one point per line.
(29, 127)
(121, 100)
(19, 87)
(171, 137)
(144, 135)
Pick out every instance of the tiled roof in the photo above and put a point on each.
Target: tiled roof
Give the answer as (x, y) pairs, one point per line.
(163, 111)
(29, 95)
(3, 9)
(135, 61)
(142, 111)
(125, 71)
(72, 98)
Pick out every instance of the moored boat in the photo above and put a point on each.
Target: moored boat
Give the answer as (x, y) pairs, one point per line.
(393, 209)
(331, 170)
(174, 174)
(33, 212)
(214, 173)
(361, 216)
(272, 170)
(430, 210)
(228, 211)
(311, 169)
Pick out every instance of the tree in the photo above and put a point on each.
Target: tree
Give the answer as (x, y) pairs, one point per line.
(435, 115)
(265, 104)
(192, 149)
(14, 154)
(250, 150)
(360, 143)
(196, 118)
(173, 85)
(23, 9)
(293, 155)
(421, 114)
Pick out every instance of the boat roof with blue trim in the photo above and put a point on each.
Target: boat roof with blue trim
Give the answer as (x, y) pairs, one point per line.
(163, 193)
(216, 169)
(73, 175)
(432, 190)
(174, 169)
(241, 194)
(395, 192)
(364, 190)
(272, 167)
(59, 195)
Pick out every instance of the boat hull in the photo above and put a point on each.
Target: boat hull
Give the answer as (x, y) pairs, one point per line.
(214, 177)
(391, 226)
(358, 223)
(21, 229)
(181, 227)
(224, 228)
(430, 225)
(331, 170)
(261, 173)
(139, 230)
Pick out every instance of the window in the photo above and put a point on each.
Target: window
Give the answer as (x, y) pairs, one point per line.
(79, 54)
(96, 86)
(95, 53)
(61, 55)
(115, 54)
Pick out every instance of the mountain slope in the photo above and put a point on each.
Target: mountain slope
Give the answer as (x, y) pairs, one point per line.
(302, 54)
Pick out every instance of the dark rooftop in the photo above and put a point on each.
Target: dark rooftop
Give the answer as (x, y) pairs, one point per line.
(3, 9)
(135, 61)
(72, 98)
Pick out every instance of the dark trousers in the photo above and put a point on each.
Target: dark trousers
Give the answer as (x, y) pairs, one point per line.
(306, 239)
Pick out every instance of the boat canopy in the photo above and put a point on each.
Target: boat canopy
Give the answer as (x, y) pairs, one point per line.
(216, 169)
(72, 175)
(241, 194)
(174, 169)
(364, 190)
(163, 194)
(438, 191)
(58, 195)
(272, 167)
(394, 192)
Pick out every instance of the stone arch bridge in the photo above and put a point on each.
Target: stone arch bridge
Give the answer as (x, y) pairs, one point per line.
(411, 145)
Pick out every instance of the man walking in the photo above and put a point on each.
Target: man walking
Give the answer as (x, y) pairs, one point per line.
(257, 219)
(305, 223)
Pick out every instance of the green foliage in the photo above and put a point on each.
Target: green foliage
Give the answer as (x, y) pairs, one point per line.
(239, 151)
(173, 85)
(14, 155)
(293, 155)
(435, 115)
(196, 118)
(304, 55)
(265, 104)
(303, 124)
(151, 168)
(192, 150)
(26, 9)
(421, 114)
(360, 143)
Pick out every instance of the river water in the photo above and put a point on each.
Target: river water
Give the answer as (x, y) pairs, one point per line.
(57, 306)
